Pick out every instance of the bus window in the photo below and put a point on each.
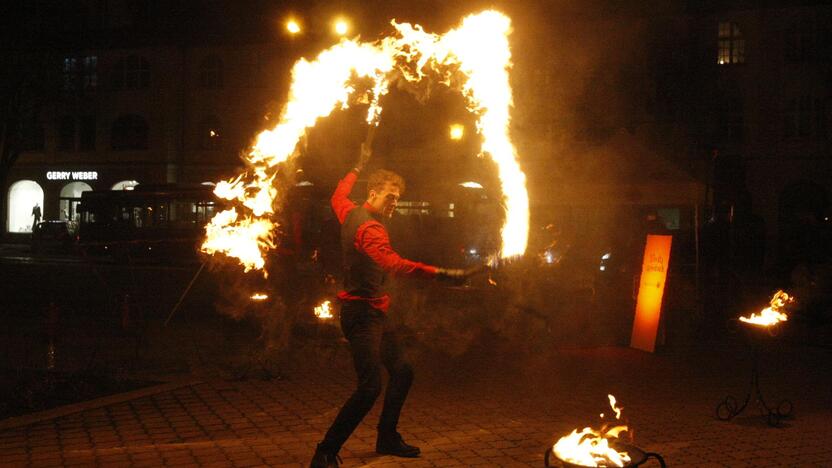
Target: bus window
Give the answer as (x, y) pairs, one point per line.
(161, 217)
(182, 213)
(205, 211)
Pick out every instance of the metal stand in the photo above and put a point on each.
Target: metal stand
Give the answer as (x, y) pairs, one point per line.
(729, 407)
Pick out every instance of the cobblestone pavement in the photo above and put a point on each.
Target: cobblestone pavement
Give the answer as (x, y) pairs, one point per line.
(492, 411)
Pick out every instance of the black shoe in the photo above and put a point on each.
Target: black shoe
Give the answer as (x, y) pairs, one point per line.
(392, 444)
(323, 459)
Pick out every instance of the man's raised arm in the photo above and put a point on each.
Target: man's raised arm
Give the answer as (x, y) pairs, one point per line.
(341, 204)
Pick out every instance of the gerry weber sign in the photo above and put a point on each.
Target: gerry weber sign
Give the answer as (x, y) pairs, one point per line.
(72, 175)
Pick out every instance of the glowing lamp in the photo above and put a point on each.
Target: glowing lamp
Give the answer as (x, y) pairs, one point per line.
(457, 131)
(292, 27)
(650, 292)
(341, 27)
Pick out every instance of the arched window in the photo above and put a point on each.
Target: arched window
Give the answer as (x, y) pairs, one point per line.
(70, 198)
(731, 44)
(210, 72)
(25, 205)
(210, 133)
(132, 72)
(66, 134)
(129, 132)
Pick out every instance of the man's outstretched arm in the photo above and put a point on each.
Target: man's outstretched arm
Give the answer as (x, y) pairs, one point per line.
(373, 240)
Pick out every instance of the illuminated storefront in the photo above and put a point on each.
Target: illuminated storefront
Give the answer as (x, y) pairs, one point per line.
(40, 192)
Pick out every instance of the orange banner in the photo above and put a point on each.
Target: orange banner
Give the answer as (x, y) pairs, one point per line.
(650, 292)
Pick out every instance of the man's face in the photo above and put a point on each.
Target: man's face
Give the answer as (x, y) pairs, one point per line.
(385, 200)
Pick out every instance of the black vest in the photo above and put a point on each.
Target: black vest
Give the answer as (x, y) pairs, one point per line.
(362, 276)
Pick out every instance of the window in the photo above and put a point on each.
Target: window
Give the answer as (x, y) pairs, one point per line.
(79, 73)
(33, 135)
(731, 118)
(800, 43)
(210, 133)
(87, 134)
(132, 72)
(210, 72)
(89, 72)
(129, 132)
(69, 73)
(731, 44)
(805, 116)
(66, 134)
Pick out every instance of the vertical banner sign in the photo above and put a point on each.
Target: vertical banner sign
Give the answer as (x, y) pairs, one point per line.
(650, 292)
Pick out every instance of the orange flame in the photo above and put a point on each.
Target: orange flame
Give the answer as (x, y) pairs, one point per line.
(591, 447)
(774, 313)
(475, 59)
(323, 311)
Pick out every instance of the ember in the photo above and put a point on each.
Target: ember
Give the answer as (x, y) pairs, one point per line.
(323, 311)
(591, 447)
(773, 314)
(259, 297)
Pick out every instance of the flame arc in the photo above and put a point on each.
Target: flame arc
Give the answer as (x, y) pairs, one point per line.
(475, 59)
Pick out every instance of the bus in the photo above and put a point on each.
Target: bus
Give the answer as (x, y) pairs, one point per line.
(160, 221)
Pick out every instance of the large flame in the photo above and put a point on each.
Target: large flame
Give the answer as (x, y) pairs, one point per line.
(474, 59)
(591, 447)
(774, 313)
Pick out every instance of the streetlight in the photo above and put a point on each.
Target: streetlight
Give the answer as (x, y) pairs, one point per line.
(292, 26)
(457, 131)
(341, 26)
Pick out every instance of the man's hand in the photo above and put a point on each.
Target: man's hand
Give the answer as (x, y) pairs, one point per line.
(453, 276)
(364, 157)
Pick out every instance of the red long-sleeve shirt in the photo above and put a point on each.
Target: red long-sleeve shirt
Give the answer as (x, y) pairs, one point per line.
(371, 239)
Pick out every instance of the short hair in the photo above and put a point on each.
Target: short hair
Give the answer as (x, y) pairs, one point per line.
(380, 177)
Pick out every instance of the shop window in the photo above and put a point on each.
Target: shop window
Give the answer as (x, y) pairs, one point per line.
(731, 44)
(210, 133)
(25, 206)
(66, 134)
(69, 200)
(210, 72)
(132, 72)
(129, 132)
(87, 135)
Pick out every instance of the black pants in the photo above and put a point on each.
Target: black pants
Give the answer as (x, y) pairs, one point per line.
(373, 343)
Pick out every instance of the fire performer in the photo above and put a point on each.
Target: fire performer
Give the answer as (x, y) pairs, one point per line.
(368, 259)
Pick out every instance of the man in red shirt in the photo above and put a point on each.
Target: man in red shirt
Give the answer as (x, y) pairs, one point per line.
(368, 259)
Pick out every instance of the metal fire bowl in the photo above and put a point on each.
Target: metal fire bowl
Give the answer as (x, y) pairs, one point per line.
(637, 457)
